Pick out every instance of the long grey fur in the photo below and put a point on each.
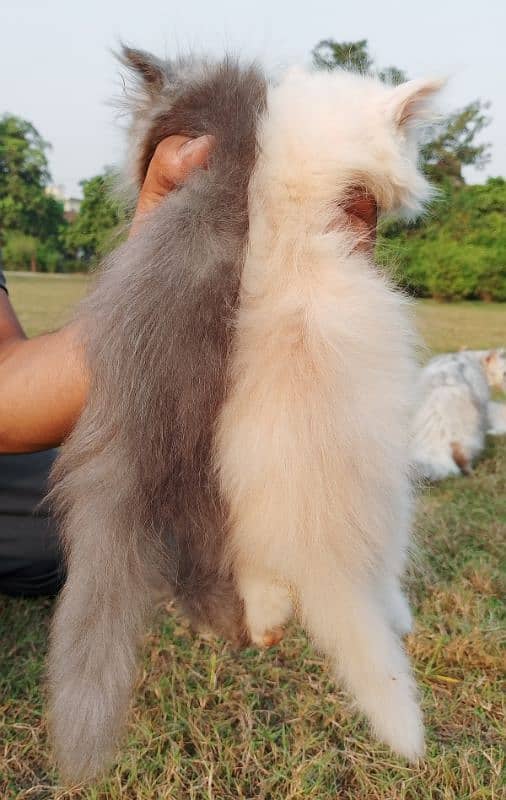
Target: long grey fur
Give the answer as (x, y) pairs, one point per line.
(134, 486)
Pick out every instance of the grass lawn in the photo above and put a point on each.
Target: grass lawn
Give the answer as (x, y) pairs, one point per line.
(208, 724)
(45, 302)
(450, 326)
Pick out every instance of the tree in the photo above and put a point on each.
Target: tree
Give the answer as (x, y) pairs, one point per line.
(460, 251)
(24, 176)
(329, 54)
(451, 144)
(90, 235)
(20, 251)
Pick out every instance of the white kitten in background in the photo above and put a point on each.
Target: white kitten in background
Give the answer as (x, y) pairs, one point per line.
(455, 411)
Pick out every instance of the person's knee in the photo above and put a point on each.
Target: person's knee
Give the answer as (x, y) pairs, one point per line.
(30, 561)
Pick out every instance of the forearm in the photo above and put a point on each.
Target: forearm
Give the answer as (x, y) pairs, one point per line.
(43, 384)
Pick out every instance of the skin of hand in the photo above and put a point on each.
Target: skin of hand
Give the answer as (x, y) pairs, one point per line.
(44, 381)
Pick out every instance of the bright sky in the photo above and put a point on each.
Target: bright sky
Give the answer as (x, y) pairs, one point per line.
(56, 68)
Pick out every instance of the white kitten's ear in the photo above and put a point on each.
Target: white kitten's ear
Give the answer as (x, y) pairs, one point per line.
(148, 70)
(409, 102)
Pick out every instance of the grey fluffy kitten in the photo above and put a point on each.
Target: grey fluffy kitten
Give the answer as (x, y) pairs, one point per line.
(135, 489)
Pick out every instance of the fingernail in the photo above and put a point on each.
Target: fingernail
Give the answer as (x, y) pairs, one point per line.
(193, 146)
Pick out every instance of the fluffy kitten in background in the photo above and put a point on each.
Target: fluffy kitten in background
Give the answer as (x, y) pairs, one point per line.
(455, 412)
(246, 438)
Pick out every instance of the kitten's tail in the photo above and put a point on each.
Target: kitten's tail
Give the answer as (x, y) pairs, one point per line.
(100, 618)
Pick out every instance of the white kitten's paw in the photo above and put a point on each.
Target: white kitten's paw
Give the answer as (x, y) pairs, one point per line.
(268, 607)
(270, 638)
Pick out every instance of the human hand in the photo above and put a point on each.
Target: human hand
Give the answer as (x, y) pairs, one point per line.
(173, 160)
(362, 212)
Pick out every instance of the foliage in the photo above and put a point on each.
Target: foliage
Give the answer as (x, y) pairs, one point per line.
(459, 252)
(24, 175)
(50, 258)
(24, 252)
(451, 144)
(328, 54)
(91, 234)
(20, 250)
(454, 146)
(33, 230)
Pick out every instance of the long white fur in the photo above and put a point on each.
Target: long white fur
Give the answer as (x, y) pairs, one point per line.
(454, 411)
(312, 444)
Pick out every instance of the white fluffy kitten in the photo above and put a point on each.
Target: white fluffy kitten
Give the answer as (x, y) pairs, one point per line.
(313, 439)
(453, 414)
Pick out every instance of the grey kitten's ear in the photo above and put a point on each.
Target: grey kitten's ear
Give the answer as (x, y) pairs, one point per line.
(150, 70)
(410, 102)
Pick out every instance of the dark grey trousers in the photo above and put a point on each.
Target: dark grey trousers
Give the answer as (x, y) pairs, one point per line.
(30, 563)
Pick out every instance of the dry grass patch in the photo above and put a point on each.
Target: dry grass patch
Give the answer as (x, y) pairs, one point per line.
(210, 724)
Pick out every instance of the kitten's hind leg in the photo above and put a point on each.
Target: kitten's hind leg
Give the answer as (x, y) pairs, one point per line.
(267, 605)
(349, 625)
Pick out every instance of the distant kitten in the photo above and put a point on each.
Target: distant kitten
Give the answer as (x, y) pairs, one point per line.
(453, 414)
(246, 438)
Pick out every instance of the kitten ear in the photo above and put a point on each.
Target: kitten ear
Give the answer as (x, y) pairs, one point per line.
(409, 102)
(148, 69)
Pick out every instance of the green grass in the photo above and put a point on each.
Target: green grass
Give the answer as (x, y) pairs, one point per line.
(44, 302)
(451, 326)
(210, 724)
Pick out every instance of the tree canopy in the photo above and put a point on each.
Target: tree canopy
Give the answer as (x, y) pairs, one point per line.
(24, 175)
(91, 233)
(33, 231)
(459, 251)
(329, 54)
(456, 252)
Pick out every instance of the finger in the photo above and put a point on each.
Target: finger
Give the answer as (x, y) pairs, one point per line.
(174, 158)
(194, 154)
